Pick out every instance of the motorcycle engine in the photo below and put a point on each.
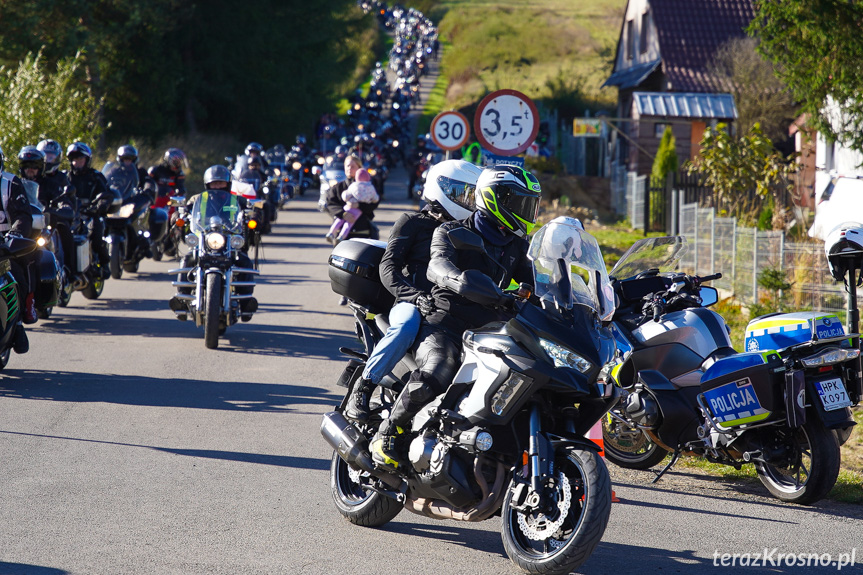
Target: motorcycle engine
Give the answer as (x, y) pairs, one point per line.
(421, 451)
(642, 408)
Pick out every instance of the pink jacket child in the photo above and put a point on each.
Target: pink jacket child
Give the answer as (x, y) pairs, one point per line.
(360, 192)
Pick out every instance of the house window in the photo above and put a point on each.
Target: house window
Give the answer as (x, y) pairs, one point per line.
(642, 33)
(659, 129)
(630, 41)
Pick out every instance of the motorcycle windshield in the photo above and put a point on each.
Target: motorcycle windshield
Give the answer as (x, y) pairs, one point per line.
(568, 268)
(650, 253)
(122, 178)
(215, 210)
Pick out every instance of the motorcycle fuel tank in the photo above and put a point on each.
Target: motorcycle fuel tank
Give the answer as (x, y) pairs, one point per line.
(700, 329)
(782, 330)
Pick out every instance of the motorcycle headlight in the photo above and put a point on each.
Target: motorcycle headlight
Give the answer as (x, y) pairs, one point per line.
(277, 171)
(395, 143)
(192, 240)
(215, 241)
(41, 242)
(321, 160)
(563, 357)
(508, 391)
(296, 165)
(237, 242)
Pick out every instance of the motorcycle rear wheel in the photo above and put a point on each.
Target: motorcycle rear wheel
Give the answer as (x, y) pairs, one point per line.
(212, 311)
(582, 529)
(115, 261)
(358, 506)
(630, 449)
(814, 469)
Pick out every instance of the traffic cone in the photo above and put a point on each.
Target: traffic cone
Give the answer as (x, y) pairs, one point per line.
(595, 435)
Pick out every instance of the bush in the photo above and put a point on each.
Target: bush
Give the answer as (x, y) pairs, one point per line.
(38, 104)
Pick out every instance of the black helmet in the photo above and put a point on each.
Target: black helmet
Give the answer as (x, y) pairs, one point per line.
(31, 157)
(510, 196)
(53, 154)
(79, 150)
(127, 151)
(217, 173)
(254, 147)
(175, 159)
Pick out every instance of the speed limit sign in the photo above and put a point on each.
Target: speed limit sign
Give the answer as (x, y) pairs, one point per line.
(450, 130)
(506, 122)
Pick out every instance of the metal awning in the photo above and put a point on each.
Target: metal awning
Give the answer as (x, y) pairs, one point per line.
(685, 105)
(632, 77)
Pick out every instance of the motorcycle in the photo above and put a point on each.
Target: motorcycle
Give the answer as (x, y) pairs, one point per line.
(686, 390)
(217, 235)
(508, 435)
(130, 229)
(10, 298)
(333, 172)
(48, 270)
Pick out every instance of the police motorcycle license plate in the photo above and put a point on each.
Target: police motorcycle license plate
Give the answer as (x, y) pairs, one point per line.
(735, 403)
(832, 394)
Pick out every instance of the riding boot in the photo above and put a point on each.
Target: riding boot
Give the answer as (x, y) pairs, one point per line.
(357, 407)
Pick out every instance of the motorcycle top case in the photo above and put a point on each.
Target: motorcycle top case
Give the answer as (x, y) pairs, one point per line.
(780, 331)
(354, 274)
(740, 389)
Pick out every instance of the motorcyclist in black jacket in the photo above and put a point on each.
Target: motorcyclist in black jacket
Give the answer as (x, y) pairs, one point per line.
(448, 194)
(94, 197)
(57, 194)
(464, 296)
(128, 154)
(335, 205)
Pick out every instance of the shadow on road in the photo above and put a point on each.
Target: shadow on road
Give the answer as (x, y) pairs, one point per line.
(24, 569)
(451, 532)
(286, 341)
(74, 387)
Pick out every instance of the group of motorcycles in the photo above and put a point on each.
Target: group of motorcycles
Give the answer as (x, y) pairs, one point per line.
(638, 350)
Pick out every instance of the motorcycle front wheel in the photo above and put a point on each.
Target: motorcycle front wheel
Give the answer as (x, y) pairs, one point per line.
(116, 260)
(94, 288)
(629, 447)
(811, 468)
(212, 310)
(560, 543)
(360, 507)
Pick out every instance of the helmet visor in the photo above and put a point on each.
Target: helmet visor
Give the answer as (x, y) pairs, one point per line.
(459, 192)
(521, 203)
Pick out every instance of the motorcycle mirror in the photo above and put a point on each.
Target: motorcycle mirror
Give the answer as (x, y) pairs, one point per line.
(175, 202)
(464, 239)
(709, 296)
(259, 203)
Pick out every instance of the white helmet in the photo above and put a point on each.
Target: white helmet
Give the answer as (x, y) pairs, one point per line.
(449, 188)
(844, 249)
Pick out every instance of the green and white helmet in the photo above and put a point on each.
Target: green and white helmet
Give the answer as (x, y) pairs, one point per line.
(510, 195)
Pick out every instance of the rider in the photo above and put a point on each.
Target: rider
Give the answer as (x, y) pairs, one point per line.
(335, 205)
(16, 220)
(448, 193)
(128, 154)
(55, 193)
(89, 185)
(507, 202)
(169, 176)
(217, 184)
(256, 150)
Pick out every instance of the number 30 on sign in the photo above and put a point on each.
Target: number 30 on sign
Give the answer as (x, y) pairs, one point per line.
(450, 130)
(506, 122)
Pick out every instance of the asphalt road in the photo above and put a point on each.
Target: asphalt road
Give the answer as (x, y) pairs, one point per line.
(129, 448)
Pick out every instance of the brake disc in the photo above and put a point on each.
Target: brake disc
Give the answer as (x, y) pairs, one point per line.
(538, 527)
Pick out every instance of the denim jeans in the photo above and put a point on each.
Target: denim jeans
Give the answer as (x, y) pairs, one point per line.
(404, 324)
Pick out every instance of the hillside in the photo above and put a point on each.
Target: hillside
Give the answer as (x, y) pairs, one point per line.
(558, 51)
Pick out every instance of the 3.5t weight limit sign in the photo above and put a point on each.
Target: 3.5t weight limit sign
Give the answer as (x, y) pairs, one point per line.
(506, 122)
(450, 130)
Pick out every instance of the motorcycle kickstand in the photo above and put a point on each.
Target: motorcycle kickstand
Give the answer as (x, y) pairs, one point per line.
(674, 457)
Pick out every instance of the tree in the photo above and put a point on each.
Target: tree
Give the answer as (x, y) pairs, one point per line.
(38, 104)
(759, 95)
(735, 167)
(817, 47)
(666, 158)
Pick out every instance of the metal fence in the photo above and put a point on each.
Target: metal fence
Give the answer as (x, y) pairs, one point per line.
(718, 244)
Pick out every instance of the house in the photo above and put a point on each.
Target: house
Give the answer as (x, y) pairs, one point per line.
(662, 71)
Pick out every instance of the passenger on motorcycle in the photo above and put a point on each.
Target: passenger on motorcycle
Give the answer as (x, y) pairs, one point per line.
(217, 183)
(16, 220)
(90, 184)
(448, 194)
(360, 192)
(507, 202)
(335, 205)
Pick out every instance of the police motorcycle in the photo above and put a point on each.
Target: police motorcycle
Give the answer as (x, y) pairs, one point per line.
(782, 405)
(48, 270)
(128, 227)
(216, 284)
(508, 436)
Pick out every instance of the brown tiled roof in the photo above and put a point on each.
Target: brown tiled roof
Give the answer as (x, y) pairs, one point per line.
(690, 31)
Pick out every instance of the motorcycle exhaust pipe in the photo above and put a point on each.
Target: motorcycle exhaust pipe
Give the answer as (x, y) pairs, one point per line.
(349, 443)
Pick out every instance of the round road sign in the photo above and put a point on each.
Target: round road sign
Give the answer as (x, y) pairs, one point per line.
(506, 122)
(450, 130)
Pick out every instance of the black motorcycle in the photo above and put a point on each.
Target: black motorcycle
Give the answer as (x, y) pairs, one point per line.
(10, 298)
(47, 270)
(508, 436)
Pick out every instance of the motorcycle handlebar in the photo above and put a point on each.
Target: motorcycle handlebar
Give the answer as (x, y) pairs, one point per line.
(710, 278)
